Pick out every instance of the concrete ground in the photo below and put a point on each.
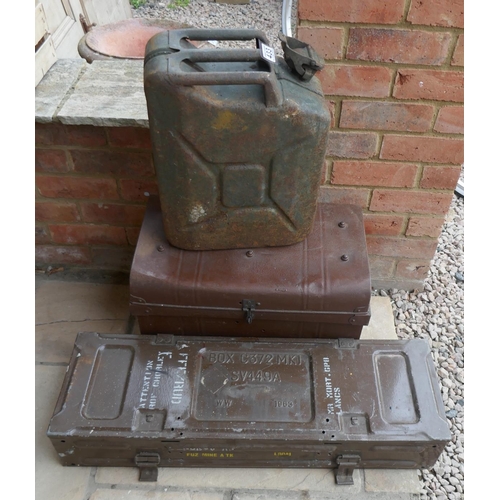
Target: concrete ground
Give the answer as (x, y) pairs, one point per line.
(64, 308)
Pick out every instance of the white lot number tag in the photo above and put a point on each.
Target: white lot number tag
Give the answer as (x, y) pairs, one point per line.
(267, 52)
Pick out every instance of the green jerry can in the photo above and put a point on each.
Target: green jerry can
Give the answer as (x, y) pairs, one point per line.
(239, 138)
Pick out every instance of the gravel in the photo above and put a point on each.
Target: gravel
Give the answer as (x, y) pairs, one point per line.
(435, 313)
(258, 14)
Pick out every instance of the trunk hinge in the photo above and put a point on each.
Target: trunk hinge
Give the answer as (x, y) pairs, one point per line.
(248, 307)
(148, 466)
(346, 465)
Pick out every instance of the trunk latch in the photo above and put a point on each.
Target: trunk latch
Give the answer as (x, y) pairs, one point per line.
(248, 307)
(148, 466)
(347, 464)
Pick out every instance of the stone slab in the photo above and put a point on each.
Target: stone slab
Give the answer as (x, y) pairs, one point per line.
(392, 481)
(109, 93)
(52, 480)
(60, 302)
(55, 86)
(363, 496)
(54, 342)
(165, 494)
(235, 479)
(268, 495)
(381, 324)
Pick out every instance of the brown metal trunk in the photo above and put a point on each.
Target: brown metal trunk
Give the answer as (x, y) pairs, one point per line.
(317, 288)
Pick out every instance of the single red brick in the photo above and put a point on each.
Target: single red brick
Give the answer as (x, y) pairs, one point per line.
(398, 46)
(413, 269)
(110, 213)
(50, 254)
(458, 54)
(351, 144)
(440, 177)
(327, 42)
(450, 120)
(133, 235)
(405, 201)
(50, 160)
(55, 134)
(411, 248)
(383, 225)
(82, 234)
(77, 187)
(429, 84)
(50, 134)
(422, 148)
(54, 211)
(42, 235)
(425, 226)
(138, 190)
(368, 173)
(129, 137)
(381, 267)
(115, 258)
(351, 196)
(431, 13)
(352, 11)
(86, 135)
(362, 81)
(376, 115)
(113, 162)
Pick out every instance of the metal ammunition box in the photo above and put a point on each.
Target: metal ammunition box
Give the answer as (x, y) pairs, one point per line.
(159, 401)
(238, 140)
(317, 288)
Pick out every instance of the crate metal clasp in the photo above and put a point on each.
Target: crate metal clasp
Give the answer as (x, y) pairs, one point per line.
(148, 466)
(346, 466)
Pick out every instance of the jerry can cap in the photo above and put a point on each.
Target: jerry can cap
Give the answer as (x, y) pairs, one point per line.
(301, 58)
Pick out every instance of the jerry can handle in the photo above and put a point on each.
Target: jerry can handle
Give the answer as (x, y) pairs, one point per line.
(198, 35)
(268, 79)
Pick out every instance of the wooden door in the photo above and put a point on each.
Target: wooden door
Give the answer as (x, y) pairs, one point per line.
(59, 26)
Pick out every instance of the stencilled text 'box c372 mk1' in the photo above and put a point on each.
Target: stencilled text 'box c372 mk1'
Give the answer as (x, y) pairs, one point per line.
(158, 400)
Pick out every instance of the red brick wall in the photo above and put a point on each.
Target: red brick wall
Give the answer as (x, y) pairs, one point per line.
(91, 190)
(395, 79)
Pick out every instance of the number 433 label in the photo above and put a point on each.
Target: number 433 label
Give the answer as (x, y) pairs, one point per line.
(267, 52)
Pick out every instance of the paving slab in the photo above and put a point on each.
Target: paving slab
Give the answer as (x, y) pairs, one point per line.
(52, 481)
(60, 302)
(268, 495)
(392, 481)
(165, 494)
(55, 87)
(64, 308)
(54, 342)
(364, 496)
(237, 478)
(381, 324)
(109, 93)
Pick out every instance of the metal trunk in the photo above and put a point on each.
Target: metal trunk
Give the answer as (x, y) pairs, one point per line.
(317, 288)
